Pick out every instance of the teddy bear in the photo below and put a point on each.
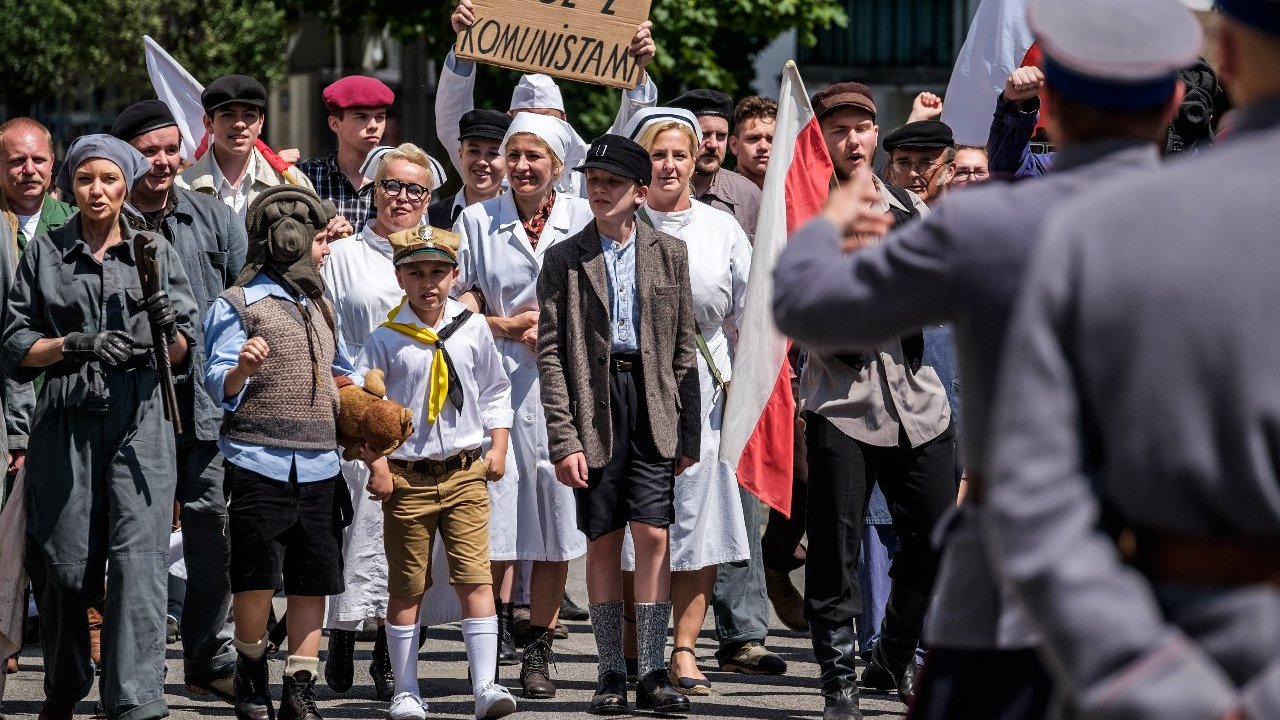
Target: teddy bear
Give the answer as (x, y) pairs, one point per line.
(365, 415)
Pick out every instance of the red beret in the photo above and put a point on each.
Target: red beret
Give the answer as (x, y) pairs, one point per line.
(356, 91)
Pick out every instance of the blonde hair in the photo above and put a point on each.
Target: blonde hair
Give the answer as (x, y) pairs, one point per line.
(650, 134)
(409, 153)
(557, 164)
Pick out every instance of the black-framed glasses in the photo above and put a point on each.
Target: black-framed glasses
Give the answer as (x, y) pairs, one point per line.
(413, 191)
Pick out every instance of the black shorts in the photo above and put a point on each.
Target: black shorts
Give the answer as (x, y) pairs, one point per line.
(287, 529)
(638, 484)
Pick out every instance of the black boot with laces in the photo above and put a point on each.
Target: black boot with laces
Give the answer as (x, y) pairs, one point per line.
(298, 700)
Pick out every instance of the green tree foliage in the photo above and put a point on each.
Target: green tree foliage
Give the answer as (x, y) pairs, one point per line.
(701, 43)
(58, 44)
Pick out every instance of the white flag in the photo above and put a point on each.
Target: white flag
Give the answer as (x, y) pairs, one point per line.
(997, 43)
(176, 88)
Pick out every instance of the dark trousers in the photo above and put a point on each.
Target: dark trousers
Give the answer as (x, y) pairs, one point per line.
(919, 486)
(206, 627)
(988, 684)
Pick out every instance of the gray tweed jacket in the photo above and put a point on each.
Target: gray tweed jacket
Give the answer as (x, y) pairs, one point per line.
(574, 344)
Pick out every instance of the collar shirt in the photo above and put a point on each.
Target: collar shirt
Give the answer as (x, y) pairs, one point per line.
(355, 204)
(360, 282)
(486, 391)
(224, 336)
(873, 396)
(737, 196)
(235, 196)
(624, 310)
(27, 225)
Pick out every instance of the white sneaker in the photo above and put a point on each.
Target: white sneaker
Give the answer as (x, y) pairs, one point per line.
(407, 706)
(494, 701)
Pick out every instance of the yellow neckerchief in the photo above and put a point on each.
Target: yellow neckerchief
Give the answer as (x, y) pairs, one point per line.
(439, 365)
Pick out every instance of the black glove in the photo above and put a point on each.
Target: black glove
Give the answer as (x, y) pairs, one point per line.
(112, 347)
(161, 313)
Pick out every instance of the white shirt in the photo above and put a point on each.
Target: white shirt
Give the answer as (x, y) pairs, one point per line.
(360, 281)
(486, 391)
(28, 224)
(235, 196)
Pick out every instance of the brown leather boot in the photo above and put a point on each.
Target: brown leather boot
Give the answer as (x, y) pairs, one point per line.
(95, 636)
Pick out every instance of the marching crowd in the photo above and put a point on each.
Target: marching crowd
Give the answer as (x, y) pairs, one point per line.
(350, 390)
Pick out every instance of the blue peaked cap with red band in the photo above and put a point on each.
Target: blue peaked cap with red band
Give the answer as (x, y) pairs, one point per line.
(1115, 55)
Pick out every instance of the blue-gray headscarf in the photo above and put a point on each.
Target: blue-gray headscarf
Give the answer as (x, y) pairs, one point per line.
(90, 147)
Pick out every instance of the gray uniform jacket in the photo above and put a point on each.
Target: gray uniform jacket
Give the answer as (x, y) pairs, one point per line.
(737, 196)
(574, 346)
(1140, 376)
(963, 264)
(211, 244)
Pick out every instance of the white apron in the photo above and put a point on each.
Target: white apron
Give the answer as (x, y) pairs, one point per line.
(534, 518)
(709, 528)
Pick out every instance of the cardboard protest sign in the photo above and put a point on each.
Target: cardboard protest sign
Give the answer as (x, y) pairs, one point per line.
(584, 40)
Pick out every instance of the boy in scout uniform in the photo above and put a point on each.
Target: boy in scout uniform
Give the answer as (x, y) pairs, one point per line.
(433, 348)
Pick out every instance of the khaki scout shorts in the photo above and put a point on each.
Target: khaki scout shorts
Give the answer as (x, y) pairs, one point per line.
(457, 504)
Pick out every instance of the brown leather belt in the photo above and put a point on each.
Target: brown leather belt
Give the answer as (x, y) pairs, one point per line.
(461, 461)
(1200, 559)
(624, 363)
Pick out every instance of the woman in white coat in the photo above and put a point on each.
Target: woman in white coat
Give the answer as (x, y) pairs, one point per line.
(709, 527)
(503, 241)
(360, 281)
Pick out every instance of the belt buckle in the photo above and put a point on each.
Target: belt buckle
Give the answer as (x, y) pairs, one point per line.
(439, 468)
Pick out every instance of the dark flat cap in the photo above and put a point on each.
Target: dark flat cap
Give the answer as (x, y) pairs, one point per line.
(842, 95)
(620, 156)
(233, 89)
(1112, 55)
(489, 124)
(705, 102)
(921, 134)
(141, 118)
(1261, 14)
(356, 91)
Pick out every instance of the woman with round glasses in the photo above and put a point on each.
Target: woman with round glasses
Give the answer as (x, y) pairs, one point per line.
(360, 281)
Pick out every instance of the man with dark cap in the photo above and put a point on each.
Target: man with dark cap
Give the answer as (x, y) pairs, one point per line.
(357, 106)
(482, 166)
(880, 415)
(232, 169)
(210, 242)
(922, 157)
(964, 264)
(712, 183)
(1133, 501)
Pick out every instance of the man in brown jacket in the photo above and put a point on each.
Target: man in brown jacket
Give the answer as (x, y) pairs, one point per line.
(618, 363)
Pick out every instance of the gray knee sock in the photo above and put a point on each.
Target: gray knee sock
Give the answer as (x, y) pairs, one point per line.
(651, 635)
(606, 623)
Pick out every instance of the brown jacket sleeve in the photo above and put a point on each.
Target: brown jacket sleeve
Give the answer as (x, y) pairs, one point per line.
(685, 363)
(562, 434)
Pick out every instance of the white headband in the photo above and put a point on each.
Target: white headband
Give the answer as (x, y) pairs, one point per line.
(553, 131)
(374, 159)
(643, 119)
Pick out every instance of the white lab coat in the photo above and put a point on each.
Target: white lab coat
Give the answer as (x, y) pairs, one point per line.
(455, 97)
(534, 518)
(709, 528)
(360, 281)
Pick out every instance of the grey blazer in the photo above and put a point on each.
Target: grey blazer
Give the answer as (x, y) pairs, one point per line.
(574, 342)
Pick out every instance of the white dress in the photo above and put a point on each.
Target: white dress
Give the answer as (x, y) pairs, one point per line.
(535, 517)
(360, 281)
(709, 528)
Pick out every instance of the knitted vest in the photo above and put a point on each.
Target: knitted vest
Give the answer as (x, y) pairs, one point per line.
(286, 405)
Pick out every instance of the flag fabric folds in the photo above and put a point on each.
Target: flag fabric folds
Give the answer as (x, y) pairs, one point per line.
(996, 45)
(759, 419)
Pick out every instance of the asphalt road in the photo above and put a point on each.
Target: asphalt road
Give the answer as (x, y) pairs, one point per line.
(442, 668)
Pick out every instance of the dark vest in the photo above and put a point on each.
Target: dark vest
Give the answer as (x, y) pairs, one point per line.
(292, 402)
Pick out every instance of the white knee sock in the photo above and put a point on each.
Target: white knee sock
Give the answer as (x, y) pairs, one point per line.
(481, 637)
(402, 646)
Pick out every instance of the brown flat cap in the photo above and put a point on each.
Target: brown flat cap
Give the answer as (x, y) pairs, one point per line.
(845, 94)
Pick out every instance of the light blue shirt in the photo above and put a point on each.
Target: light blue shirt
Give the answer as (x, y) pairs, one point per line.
(620, 267)
(224, 336)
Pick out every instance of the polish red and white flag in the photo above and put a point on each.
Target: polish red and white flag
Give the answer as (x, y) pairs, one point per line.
(759, 420)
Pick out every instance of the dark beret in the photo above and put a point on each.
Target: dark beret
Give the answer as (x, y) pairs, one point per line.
(921, 134)
(230, 89)
(845, 94)
(141, 118)
(705, 102)
(621, 156)
(489, 124)
(356, 91)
